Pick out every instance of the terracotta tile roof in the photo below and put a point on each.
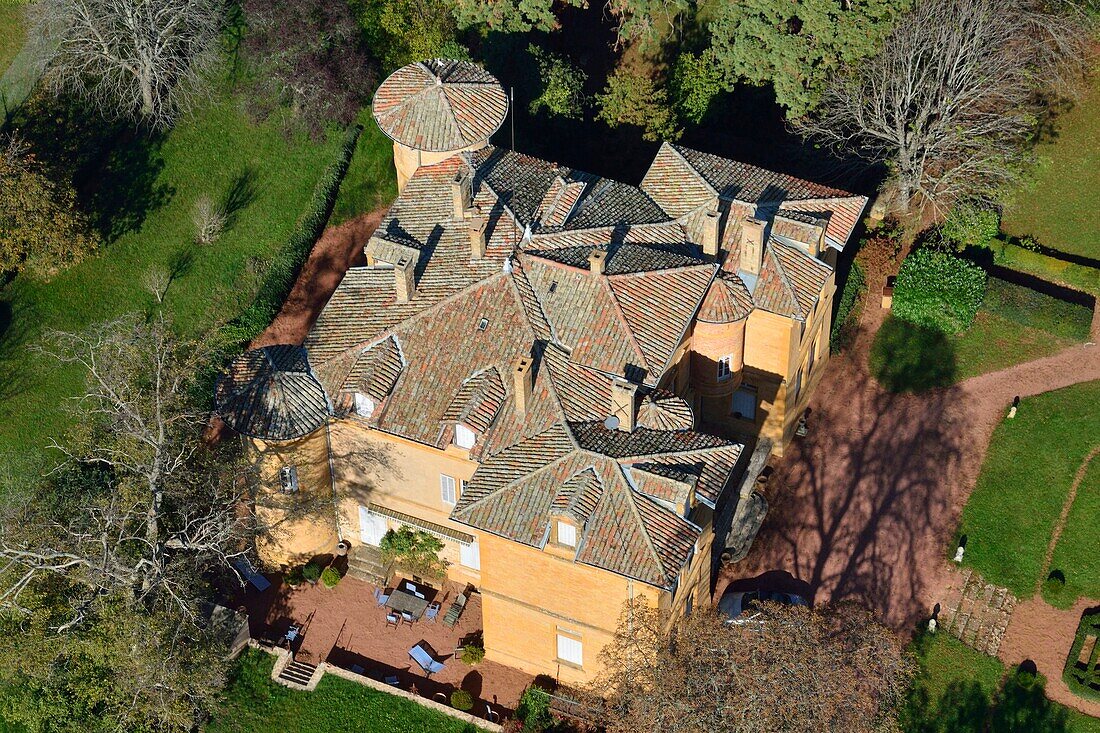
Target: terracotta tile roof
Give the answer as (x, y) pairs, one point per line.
(842, 213)
(736, 180)
(440, 105)
(578, 497)
(661, 410)
(272, 393)
(478, 400)
(789, 283)
(727, 300)
(595, 437)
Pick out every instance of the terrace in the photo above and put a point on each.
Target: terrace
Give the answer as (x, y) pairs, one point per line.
(347, 627)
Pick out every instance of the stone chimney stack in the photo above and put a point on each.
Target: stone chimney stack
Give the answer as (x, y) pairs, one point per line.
(477, 225)
(624, 403)
(524, 376)
(404, 272)
(462, 193)
(711, 220)
(597, 260)
(752, 245)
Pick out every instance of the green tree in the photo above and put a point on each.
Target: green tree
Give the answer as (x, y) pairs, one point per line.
(648, 22)
(41, 229)
(405, 31)
(635, 98)
(696, 80)
(415, 551)
(562, 92)
(510, 16)
(971, 225)
(796, 47)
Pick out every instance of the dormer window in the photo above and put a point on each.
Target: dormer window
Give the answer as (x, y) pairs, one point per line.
(464, 437)
(567, 534)
(364, 405)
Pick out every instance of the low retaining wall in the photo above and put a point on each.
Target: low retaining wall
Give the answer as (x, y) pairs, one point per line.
(282, 658)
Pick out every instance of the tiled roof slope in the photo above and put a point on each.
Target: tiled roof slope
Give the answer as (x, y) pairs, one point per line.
(440, 105)
(446, 356)
(271, 393)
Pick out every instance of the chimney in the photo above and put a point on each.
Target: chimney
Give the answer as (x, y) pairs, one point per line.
(711, 221)
(623, 398)
(462, 193)
(477, 225)
(752, 245)
(524, 381)
(404, 273)
(597, 259)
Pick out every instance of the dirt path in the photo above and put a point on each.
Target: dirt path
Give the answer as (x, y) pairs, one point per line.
(338, 249)
(1066, 507)
(1044, 635)
(869, 501)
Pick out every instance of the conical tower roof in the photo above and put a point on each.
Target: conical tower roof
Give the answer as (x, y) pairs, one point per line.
(727, 300)
(271, 393)
(440, 105)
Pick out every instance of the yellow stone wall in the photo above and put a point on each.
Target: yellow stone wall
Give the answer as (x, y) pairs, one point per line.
(406, 160)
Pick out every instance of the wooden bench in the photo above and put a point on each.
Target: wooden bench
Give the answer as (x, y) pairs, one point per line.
(1086, 650)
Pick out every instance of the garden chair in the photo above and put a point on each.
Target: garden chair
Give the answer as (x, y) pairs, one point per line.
(424, 660)
(392, 619)
(381, 596)
(432, 612)
(408, 617)
(455, 611)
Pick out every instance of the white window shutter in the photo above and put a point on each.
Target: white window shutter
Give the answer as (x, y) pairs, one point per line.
(470, 555)
(464, 437)
(447, 489)
(570, 650)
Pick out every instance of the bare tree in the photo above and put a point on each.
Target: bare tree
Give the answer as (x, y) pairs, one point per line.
(142, 59)
(793, 668)
(951, 101)
(209, 218)
(154, 510)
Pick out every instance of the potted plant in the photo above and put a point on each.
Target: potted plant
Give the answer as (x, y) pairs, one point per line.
(330, 576)
(473, 652)
(294, 576)
(311, 572)
(462, 700)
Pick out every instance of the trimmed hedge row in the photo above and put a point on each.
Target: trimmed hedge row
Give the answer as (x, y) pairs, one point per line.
(1084, 680)
(282, 270)
(847, 312)
(938, 290)
(1079, 277)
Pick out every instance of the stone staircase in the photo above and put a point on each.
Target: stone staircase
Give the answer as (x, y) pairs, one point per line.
(298, 675)
(365, 563)
(977, 613)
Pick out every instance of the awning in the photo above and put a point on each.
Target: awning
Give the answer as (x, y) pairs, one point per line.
(438, 530)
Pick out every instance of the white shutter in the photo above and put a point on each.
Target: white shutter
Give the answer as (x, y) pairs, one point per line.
(447, 489)
(470, 555)
(364, 405)
(570, 650)
(567, 534)
(464, 437)
(744, 403)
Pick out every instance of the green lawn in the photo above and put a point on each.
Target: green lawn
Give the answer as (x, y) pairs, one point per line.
(12, 32)
(957, 691)
(1079, 546)
(253, 702)
(1024, 482)
(210, 153)
(1057, 208)
(371, 180)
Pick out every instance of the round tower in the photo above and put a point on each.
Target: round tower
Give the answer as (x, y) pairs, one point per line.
(436, 108)
(718, 343)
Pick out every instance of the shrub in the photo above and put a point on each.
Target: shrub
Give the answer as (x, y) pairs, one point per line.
(282, 269)
(847, 311)
(311, 572)
(634, 98)
(1054, 590)
(473, 653)
(462, 700)
(416, 551)
(330, 576)
(562, 85)
(534, 710)
(294, 576)
(938, 290)
(970, 225)
(1084, 679)
(209, 220)
(908, 357)
(879, 249)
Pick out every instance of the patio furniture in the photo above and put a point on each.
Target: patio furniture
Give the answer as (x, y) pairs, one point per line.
(432, 612)
(392, 619)
(408, 617)
(244, 566)
(404, 601)
(381, 596)
(455, 611)
(423, 659)
(391, 680)
(291, 634)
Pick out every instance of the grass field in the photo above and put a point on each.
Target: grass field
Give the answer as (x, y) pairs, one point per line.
(1024, 482)
(12, 32)
(959, 690)
(213, 153)
(1079, 546)
(254, 704)
(1057, 208)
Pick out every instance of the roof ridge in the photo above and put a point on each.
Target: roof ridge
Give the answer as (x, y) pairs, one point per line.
(626, 323)
(783, 277)
(695, 172)
(632, 493)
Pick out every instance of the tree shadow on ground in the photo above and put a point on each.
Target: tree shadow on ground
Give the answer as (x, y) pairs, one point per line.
(907, 357)
(241, 192)
(114, 167)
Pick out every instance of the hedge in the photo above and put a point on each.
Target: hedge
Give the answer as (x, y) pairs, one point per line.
(847, 312)
(282, 270)
(938, 290)
(1084, 680)
(1071, 274)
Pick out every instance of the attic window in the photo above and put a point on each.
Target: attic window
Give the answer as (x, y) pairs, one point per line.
(364, 405)
(567, 534)
(482, 324)
(464, 437)
(553, 286)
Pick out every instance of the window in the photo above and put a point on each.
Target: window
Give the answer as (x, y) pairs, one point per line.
(570, 650)
(469, 556)
(288, 478)
(689, 603)
(483, 324)
(364, 405)
(744, 403)
(797, 388)
(447, 489)
(464, 437)
(567, 534)
(724, 371)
